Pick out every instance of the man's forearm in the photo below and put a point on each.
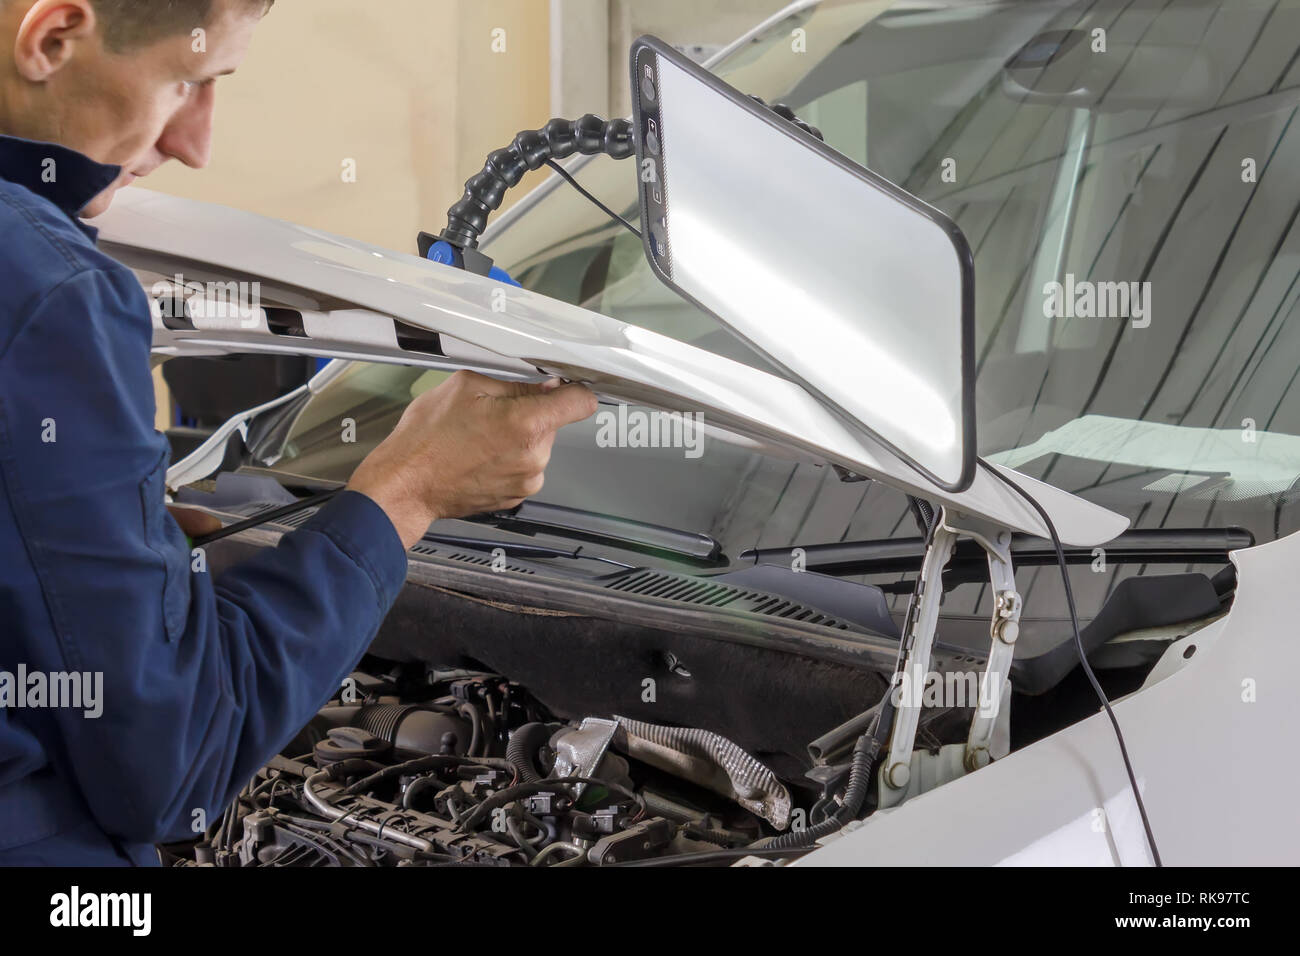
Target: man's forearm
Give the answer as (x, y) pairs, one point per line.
(384, 486)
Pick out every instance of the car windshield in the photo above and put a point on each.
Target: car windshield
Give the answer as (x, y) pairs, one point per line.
(1127, 174)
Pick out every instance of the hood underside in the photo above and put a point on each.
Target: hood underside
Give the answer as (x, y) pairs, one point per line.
(326, 295)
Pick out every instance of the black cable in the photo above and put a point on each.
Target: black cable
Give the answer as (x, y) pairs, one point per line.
(861, 772)
(531, 149)
(779, 108)
(923, 512)
(1083, 655)
(258, 520)
(591, 198)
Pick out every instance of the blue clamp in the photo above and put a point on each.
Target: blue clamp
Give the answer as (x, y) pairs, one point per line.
(447, 254)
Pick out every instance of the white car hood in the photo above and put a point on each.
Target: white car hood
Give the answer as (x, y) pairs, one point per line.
(349, 293)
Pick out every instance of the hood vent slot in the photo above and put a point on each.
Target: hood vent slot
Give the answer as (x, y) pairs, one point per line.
(285, 322)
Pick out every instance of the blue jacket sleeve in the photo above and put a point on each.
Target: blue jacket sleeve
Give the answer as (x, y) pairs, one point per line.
(202, 680)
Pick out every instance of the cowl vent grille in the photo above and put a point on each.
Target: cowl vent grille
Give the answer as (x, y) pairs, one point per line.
(482, 560)
(705, 593)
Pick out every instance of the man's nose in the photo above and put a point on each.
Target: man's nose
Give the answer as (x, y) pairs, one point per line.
(188, 137)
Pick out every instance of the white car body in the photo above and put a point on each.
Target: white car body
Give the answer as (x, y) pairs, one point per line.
(1204, 737)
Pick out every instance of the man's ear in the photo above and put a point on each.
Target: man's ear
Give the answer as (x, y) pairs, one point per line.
(48, 36)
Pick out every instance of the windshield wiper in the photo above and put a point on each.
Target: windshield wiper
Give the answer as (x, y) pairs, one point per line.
(1153, 546)
(517, 549)
(534, 517)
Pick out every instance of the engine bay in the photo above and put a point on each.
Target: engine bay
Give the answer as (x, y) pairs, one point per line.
(515, 720)
(420, 767)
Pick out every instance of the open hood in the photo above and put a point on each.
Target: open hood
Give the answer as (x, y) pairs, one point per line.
(326, 295)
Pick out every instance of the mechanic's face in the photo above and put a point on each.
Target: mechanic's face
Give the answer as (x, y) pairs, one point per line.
(139, 108)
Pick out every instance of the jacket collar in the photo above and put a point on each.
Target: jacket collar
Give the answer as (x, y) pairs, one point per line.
(64, 176)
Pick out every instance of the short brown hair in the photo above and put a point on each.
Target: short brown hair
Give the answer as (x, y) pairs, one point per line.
(128, 24)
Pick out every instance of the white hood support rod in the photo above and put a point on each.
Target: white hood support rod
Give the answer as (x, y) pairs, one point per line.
(981, 745)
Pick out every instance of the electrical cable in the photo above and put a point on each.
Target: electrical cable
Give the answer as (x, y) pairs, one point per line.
(564, 173)
(530, 150)
(779, 108)
(1083, 655)
(258, 520)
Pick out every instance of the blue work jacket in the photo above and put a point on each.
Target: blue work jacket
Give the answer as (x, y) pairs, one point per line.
(199, 680)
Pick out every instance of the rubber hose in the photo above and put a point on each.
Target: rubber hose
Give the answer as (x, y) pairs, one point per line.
(415, 788)
(523, 747)
(476, 741)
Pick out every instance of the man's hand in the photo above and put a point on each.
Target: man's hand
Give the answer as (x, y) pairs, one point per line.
(472, 444)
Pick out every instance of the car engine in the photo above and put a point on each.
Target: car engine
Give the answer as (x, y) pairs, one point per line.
(421, 767)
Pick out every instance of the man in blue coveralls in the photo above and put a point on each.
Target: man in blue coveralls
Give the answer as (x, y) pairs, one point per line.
(201, 681)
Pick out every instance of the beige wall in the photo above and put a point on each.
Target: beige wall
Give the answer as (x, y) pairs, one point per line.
(415, 93)
(410, 89)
